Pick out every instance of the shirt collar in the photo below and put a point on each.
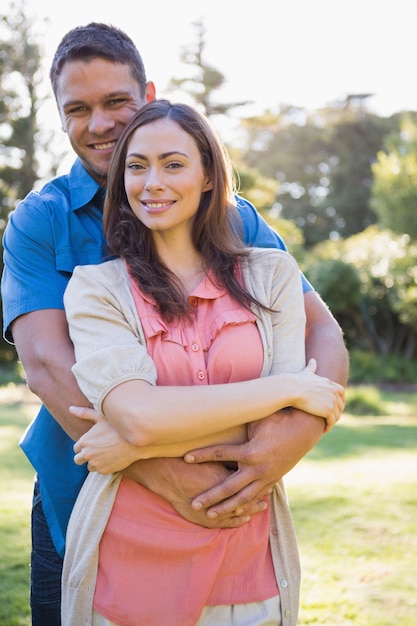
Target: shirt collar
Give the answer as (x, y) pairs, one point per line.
(82, 186)
(207, 289)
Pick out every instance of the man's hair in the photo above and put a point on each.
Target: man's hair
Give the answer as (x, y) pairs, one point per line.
(96, 40)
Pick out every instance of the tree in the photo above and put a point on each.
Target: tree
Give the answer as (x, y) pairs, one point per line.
(369, 282)
(20, 80)
(205, 80)
(322, 161)
(394, 190)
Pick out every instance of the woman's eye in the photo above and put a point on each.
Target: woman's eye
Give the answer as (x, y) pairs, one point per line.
(135, 166)
(174, 164)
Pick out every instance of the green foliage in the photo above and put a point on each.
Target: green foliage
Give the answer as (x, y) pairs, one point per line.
(19, 83)
(369, 282)
(394, 191)
(338, 283)
(354, 140)
(364, 401)
(367, 367)
(323, 163)
(15, 498)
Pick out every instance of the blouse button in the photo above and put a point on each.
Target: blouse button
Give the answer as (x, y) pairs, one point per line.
(201, 375)
(195, 347)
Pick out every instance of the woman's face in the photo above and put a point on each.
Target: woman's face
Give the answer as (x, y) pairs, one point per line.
(164, 177)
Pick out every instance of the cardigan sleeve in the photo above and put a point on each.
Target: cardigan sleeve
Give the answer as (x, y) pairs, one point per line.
(273, 277)
(106, 333)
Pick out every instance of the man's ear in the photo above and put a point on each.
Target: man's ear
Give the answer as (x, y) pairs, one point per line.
(150, 91)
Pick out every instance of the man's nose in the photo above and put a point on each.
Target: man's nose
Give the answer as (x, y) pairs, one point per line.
(100, 122)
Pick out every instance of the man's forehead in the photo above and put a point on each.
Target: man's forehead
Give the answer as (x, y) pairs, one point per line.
(81, 80)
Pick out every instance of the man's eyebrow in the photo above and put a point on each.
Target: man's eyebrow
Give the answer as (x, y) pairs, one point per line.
(108, 96)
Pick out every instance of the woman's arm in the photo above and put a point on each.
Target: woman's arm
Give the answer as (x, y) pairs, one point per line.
(147, 415)
(118, 376)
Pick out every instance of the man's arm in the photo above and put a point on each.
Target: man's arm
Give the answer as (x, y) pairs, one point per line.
(277, 443)
(47, 355)
(324, 340)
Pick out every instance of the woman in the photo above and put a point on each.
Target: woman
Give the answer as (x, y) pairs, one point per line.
(181, 342)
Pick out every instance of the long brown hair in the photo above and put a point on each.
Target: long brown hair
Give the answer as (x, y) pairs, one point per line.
(217, 228)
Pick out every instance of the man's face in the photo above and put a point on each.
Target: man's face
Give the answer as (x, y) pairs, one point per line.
(96, 100)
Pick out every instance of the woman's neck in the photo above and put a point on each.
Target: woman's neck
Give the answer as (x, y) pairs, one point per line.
(183, 260)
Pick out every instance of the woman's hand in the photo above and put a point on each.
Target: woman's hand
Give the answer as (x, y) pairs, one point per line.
(101, 447)
(319, 395)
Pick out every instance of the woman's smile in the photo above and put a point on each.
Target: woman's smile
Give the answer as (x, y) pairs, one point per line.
(152, 206)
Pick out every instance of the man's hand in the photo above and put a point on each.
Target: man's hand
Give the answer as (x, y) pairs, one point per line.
(179, 483)
(173, 479)
(275, 446)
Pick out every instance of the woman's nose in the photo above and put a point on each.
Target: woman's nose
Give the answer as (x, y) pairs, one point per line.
(153, 182)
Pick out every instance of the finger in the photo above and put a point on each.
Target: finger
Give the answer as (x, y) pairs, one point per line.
(312, 365)
(222, 453)
(79, 459)
(84, 413)
(235, 493)
(234, 521)
(253, 509)
(249, 501)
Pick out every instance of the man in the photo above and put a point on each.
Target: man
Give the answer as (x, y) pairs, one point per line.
(99, 83)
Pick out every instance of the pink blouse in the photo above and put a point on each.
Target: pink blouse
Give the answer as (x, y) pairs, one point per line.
(155, 567)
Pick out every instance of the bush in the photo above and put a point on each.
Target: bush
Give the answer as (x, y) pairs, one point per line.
(366, 367)
(364, 400)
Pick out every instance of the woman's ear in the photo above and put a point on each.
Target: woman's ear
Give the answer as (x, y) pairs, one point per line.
(207, 185)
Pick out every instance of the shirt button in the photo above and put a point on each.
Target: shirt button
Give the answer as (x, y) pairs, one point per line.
(284, 583)
(287, 613)
(201, 375)
(195, 347)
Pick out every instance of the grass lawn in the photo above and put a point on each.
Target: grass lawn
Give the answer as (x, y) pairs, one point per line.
(354, 502)
(16, 484)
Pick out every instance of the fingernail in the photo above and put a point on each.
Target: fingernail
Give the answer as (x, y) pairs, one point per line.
(189, 458)
(197, 506)
(212, 514)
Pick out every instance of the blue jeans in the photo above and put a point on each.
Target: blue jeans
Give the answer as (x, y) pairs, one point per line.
(46, 570)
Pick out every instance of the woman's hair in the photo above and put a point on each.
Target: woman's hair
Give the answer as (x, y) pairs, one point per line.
(97, 40)
(217, 228)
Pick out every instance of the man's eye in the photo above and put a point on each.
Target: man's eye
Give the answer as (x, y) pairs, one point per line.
(75, 110)
(117, 101)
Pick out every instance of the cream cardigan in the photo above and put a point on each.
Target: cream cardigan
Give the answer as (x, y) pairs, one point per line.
(110, 349)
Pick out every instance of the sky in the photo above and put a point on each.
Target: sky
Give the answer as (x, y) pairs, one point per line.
(308, 53)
